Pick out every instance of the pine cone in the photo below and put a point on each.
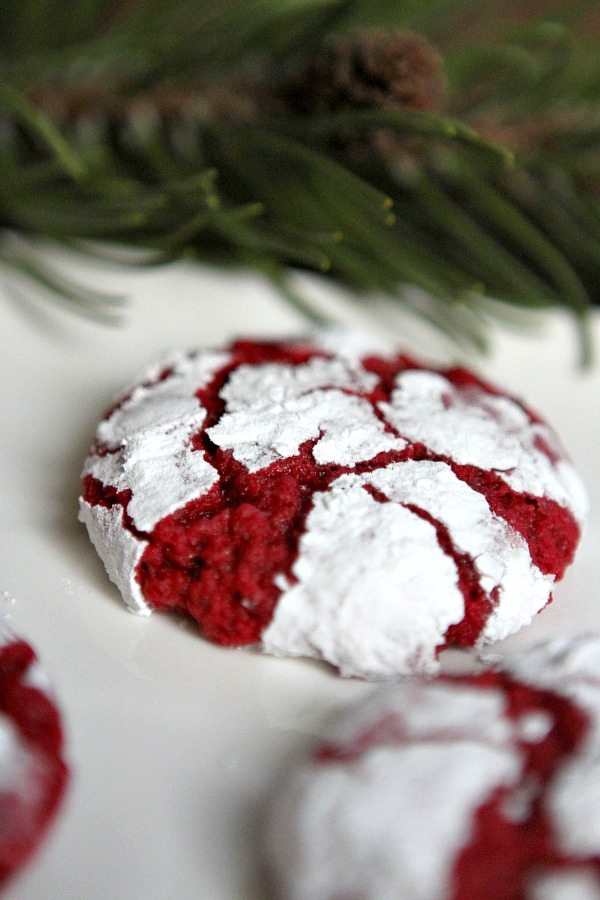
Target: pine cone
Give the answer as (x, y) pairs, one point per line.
(380, 69)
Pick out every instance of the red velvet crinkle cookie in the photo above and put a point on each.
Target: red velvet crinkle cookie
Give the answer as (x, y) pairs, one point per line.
(326, 499)
(483, 787)
(33, 773)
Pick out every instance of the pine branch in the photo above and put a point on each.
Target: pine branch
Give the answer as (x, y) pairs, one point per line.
(173, 128)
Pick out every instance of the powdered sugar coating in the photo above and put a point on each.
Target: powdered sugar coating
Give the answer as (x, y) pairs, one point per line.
(329, 609)
(149, 453)
(500, 554)
(572, 668)
(374, 548)
(149, 439)
(32, 771)
(119, 550)
(166, 395)
(473, 427)
(328, 851)
(329, 612)
(271, 409)
(391, 803)
(389, 821)
(424, 711)
(16, 762)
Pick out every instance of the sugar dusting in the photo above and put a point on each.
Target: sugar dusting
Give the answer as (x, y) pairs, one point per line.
(374, 592)
(150, 454)
(273, 408)
(390, 822)
(492, 432)
(571, 667)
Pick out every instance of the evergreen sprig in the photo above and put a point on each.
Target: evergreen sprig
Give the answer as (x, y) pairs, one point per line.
(163, 125)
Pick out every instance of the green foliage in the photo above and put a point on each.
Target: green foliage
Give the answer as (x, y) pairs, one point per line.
(498, 197)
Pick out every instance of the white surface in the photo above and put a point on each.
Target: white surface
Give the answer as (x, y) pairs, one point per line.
(173, 741)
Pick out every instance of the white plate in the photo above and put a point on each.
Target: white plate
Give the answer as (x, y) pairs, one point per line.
(174, 743)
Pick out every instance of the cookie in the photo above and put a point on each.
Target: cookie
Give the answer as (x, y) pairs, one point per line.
(456, 788)
(323, 498)
(33, 773)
